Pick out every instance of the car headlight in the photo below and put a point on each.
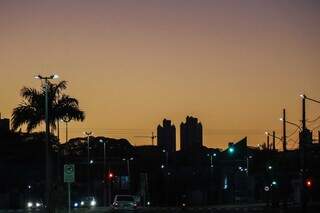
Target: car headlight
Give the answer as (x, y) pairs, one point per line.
(81, 203)
(29, 204)
(93, 203)
(75, 204)
(38, 204)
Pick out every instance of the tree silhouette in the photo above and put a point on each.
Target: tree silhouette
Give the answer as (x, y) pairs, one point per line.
(31, 111)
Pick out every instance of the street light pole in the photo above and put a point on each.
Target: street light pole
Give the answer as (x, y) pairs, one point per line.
(66, 119)
(274, 137)
(128, 170)
(273, 140)
(302, 143)
(288, 122)
(166, 157)
(47, 152)
(284, 129)
(88, 134)
(104, 172)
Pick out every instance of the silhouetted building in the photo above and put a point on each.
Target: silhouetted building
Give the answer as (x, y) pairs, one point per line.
(166, 136)
(4, 125)
(190, 134)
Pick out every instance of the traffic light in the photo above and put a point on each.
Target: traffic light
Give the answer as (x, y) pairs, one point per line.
(231, 150)
(110, 175)
(308, 183)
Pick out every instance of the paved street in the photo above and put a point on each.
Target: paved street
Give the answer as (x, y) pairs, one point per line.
(255, 208)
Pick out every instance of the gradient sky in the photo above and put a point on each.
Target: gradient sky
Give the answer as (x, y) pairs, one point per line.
(233, 64)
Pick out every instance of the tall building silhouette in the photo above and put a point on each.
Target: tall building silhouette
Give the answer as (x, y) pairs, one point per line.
(4, 125)
(166, 136)
(190, 134)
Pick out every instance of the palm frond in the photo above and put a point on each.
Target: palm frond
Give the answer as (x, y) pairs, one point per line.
(31, 111)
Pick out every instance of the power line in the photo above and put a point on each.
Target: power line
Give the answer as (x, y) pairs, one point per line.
(314, 120)
(293, 132)
(315, 128)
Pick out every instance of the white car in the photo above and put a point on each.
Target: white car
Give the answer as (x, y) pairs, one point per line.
(124, 203)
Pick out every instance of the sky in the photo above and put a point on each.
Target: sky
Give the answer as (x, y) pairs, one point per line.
(131, 63)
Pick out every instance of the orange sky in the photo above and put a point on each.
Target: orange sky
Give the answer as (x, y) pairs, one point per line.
(232, 64)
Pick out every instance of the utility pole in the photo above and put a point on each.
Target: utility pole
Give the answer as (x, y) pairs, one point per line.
(268, 142)
(273, 140)
(304, 113)
(302, 146)
(284, 137)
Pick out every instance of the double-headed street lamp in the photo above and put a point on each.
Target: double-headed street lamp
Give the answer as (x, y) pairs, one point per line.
(66, 119)
(48, 171)
(88, 134)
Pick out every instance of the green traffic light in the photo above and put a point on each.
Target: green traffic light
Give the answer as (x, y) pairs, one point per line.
(231, 150)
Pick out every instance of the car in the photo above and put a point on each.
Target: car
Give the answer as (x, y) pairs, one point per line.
(88, 202)
(124, 203)
(34, 204)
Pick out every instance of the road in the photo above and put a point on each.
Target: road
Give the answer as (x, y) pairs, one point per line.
(254, 208)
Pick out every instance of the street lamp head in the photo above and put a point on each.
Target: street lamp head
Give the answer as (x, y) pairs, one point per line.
(281, 119)
(37, 77)
(303, 96)
(101, 141)
(267, 133)
(131, 158)
(87, 133)
(55, 76)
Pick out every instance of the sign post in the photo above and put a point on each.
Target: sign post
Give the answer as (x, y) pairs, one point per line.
(68, 177)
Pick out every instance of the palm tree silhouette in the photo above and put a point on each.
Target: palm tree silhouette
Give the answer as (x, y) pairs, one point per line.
(31, 111)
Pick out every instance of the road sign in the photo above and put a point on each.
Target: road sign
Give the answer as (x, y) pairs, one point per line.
(68, 176)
